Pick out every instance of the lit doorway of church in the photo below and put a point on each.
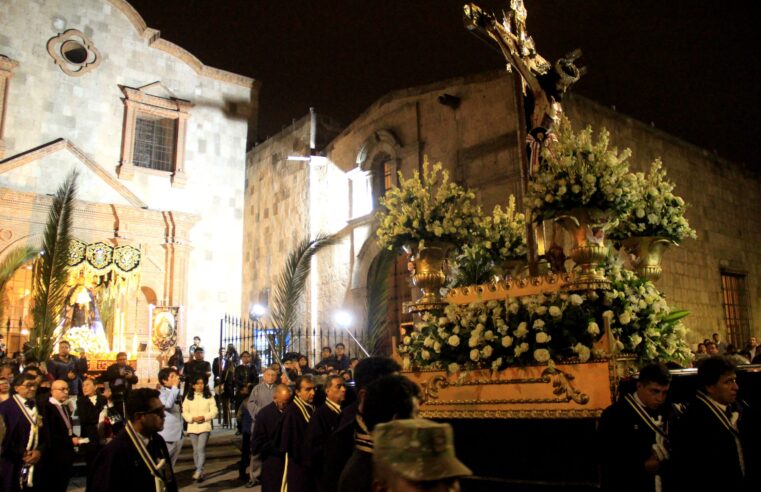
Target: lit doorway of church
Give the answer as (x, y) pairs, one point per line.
(400, 292)
(17, 315)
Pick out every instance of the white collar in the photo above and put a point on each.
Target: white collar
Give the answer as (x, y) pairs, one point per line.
(721, 407)
(55, 402)
(145, 440)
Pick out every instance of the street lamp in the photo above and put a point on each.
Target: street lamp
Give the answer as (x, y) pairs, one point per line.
(256, 312)
(343, 319)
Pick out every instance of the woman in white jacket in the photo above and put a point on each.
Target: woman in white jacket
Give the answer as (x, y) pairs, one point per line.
(198, 410)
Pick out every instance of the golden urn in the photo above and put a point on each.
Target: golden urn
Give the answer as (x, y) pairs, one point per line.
(429, 275)
(646, 253)
(587, 226)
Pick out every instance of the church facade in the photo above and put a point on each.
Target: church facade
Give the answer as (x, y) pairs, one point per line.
(159, 142)
(470, 125)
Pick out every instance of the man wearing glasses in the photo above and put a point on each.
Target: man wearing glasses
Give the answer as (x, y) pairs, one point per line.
(137, 458)
(24, 442)
(57, 463)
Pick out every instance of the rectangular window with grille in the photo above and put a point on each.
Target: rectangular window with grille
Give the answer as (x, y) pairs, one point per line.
(736, 309)
(155, 141)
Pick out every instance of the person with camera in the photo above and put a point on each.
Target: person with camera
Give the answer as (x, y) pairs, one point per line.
(169, 394)
(121, 377)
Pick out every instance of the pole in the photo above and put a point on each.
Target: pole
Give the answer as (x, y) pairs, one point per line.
(356, 341)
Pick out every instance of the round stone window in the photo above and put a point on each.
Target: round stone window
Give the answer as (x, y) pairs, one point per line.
(74, 52)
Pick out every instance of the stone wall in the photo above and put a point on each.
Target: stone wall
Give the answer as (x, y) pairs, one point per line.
(45, 104)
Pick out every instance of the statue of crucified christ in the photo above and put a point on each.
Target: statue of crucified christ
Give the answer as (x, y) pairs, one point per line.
(543, 84)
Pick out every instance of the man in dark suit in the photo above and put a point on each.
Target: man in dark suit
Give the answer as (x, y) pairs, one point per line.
(65, 366)
(25, 438)
(56, 464)
(709, 444)
(297, 476)
(264, 440)
(324, 422)
(137, 458)
(633, 436)
(89, 406)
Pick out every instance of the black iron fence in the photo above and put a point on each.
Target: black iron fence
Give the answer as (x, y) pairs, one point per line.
(245, 335)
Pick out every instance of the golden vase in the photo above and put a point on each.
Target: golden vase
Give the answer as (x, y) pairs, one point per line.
(646, 255)
(587, 226)
(430, 276)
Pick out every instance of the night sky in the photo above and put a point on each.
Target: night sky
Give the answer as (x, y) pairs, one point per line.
(688, 67)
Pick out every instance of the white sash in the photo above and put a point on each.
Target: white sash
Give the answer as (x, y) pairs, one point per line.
(153, 467)
(33, 417)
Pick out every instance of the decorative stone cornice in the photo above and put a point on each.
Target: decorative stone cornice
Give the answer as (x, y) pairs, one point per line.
(7, 65)
(154, 40)
(37, 153)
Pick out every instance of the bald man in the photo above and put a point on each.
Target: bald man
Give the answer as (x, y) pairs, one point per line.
(264, 440)
(56, 464)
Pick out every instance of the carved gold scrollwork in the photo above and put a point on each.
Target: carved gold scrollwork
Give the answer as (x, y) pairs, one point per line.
(562, 384)
(432, 386)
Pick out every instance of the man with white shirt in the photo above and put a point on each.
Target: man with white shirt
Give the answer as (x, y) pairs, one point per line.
(709, 444)
(168, 394)
(56, 464)
(24, 442)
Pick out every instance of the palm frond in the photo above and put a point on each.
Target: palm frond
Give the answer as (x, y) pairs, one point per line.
(290, 287)
(51, 269)
(376, 306)
(15, 259)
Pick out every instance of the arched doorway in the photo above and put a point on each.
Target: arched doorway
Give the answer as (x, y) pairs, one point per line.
(17, 314)
(387, 280)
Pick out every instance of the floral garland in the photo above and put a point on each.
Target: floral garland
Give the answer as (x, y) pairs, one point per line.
(427, 208)
(548, 328)
(656, 211)
(499, 334)
(577, 172)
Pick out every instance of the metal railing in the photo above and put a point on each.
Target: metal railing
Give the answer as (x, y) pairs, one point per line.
(247, 334)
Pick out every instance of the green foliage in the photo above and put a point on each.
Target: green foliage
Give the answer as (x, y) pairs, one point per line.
(376, 307)
(290, 287)
(15, 259)
(51, 270)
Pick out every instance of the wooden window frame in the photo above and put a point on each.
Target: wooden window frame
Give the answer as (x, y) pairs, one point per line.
(137, 102)
(736, 307)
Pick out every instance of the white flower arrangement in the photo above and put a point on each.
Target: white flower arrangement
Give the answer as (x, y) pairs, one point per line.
(529, 330)
(656, 210)
(427, 208)
(577, 172)
(641, 319)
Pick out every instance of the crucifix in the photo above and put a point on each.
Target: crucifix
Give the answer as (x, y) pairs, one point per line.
(539, 88)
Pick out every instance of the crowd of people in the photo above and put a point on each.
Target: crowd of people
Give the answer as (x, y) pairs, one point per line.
(750, 354)
(303, 428)
(649, 444)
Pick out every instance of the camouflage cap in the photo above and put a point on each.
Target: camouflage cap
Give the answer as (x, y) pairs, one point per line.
(418, 450)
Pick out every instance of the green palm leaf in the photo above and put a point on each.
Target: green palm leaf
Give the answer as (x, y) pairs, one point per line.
(51, 270)
(290, 287)
(15, 259)
(376, 306)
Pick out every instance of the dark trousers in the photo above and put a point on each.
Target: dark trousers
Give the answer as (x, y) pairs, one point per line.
(245, 454)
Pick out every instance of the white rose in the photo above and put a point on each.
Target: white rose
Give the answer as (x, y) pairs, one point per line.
(542, 337)
(541, 355)
(472, 341)
(426, 355)
(555, 312)
(522, 330)
(608, 314)
(474, 355)
(453, 367)
(538, 324)
(625, 318)
(514, 307)
(540, 310)
(635, 340)
(496, 364)
(428, 342)
(454, 340)
(582, 351)
(486, 352)
(521, 349)
(443, 321)
(437, 347)
(593, 329)
(407, 340)
(507, 341)
(489, 336)
(576, 299)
